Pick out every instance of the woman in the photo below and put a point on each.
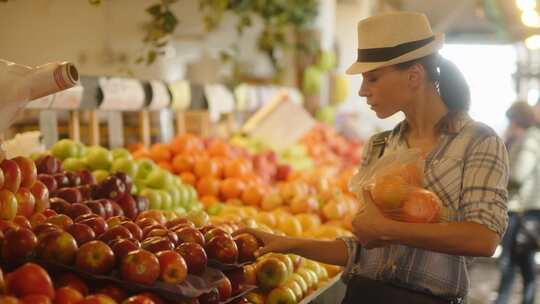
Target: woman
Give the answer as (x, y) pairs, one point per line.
(523, 142)
(466, 166)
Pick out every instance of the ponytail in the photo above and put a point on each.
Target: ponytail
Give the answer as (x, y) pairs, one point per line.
(451, 83)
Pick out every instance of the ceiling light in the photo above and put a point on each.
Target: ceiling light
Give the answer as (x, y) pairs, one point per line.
(533, 42)
(526, 5)
(530, 19)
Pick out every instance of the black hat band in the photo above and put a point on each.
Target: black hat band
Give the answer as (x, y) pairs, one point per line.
(388, 53)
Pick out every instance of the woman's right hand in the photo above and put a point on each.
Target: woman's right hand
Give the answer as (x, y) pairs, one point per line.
(271, 242)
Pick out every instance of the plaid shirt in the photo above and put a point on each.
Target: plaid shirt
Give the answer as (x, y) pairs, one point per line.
(468, 170)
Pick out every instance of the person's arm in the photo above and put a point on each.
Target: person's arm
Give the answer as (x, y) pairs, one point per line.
(523, 157)
(329, 252)
(482, 209)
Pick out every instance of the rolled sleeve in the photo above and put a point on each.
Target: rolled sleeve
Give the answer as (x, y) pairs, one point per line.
(485, 177)
(352, 250)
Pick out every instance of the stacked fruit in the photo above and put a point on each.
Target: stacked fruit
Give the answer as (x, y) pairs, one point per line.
(285, 278)
(31, 284)
(163, 190)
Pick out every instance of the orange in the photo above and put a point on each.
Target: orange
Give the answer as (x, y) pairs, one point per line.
(183, 163)
(218, 148)
(188, 178)
(160, 152)
(186, 144)
(236, 168)
(142, 153)
(135, 147)
(253, 195)
(208, 186)
(231, 188)
(390, 191)
(208, 200)
(206, 167)
(165, 165)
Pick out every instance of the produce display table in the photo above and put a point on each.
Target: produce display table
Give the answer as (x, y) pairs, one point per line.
(332, 291)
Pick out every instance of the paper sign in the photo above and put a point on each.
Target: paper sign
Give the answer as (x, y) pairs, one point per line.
(220, 100)
(69, 99)
(121, 94)
(181, 95)
(161, 98)
(41, 103)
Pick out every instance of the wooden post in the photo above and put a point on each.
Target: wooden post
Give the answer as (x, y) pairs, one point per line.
(93, 127)
(74, 126)
(144, 123)
(180, 122)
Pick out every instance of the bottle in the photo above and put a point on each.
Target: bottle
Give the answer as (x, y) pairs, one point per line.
(20, 84)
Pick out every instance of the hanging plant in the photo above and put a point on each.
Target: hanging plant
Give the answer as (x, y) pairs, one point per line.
(278, 18)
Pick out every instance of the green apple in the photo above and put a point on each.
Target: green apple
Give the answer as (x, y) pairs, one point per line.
(183, 199)
(145, 167)
(311, 83)
(121, 153)
(271, 273)
(159, 179)
(125, 165)
(135, 189)
(73, 164)
(35, 155)
(166, 200)
(153, 196)
(100, 175)
(180, 211)
(177, 181)
(98, 158)
(139, 184)
(215, 209)
(64, 148)
(175, 193)
(281, 295)
(199, 217)
(82, 151)
(192, 194)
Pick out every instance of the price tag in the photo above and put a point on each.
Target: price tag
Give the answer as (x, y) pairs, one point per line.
(69, 99)
(121, 94)
(220, 100)
(161, 98)
(181, 95)
(41, 103)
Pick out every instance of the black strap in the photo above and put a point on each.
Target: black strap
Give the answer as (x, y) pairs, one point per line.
(388, 53)
(379, 144)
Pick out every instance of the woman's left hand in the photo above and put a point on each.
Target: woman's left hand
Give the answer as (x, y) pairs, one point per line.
(369, 225)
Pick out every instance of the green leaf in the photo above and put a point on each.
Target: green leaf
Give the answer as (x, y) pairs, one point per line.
(154, 10)
(151, 57)
(139, 60)
(169, 22)
(92, 2)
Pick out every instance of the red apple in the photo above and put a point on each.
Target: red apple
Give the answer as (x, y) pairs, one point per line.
(173, 267)
(72, 281)
(142, 202)
(135, 230)
(61, 180)
(49, 212)
(126, 179)
(116, 232)
(189, 234)
(138, 299)
(147, 229)
(28, 170)
(18, 243)
(140, 266)
(85, 191)
(95, 257)
(215, 232)
(154, 214)
(60, 220)
(58, 246)
(157, 244)
(82, 233)
(112, 188)
(153, 297)
(45, 228)
(12, 175)
(224, 289)
(48, 164)
(177, 227)
(22, 221)
(97, 299)
(8, 205)
(247, 246)
(74, 179)
(36, 219)
(178, 221)
(145, 222)
(30, 279)
(164, 233)
(207, 228)
(41, 195)
(129, 206)
(117, 210)
(49, 181)
(223, 249)
(97, 224)
(96, 208)
(116, 220)
(36, 299)
(71, 195)
(78, 209)
(211, 297)
(25, 202)
(121, 247)
(115, 293)
(107, 206)
(237, 278)
(85, 217)
(87, 178)
(9, 300)
(67, 295)
(195, 257)
(59, 205)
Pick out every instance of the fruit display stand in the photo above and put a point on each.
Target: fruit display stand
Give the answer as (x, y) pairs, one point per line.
(330, 292)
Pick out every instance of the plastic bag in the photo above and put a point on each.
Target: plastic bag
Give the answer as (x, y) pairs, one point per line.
(394, 183)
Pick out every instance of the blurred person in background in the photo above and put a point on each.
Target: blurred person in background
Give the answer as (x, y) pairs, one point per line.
(522, 139)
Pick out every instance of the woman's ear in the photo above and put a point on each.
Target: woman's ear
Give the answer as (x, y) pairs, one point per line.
(416, 75)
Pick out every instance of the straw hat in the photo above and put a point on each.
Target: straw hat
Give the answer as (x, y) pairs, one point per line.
(393, 38)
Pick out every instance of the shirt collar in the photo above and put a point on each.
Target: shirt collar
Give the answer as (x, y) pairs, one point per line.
(451, 124)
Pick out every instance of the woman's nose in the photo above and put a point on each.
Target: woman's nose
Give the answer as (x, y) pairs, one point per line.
(363, 92)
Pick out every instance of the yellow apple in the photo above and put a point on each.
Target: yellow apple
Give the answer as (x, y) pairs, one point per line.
(281, 295)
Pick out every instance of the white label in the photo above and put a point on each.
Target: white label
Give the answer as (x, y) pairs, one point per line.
(121, 94)
(160, 96)
(69, 99)
(220, 100)
(41, 103)
(181, 95)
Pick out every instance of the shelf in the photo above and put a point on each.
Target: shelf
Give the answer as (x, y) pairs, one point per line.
(316, 293)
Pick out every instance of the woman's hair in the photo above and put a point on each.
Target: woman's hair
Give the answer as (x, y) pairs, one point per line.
(522, 114)
(449, 80)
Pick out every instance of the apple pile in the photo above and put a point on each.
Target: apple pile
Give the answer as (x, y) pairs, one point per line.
(31, 284)
(163, 190)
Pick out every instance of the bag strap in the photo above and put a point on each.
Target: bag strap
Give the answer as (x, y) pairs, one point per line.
(378, 144)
